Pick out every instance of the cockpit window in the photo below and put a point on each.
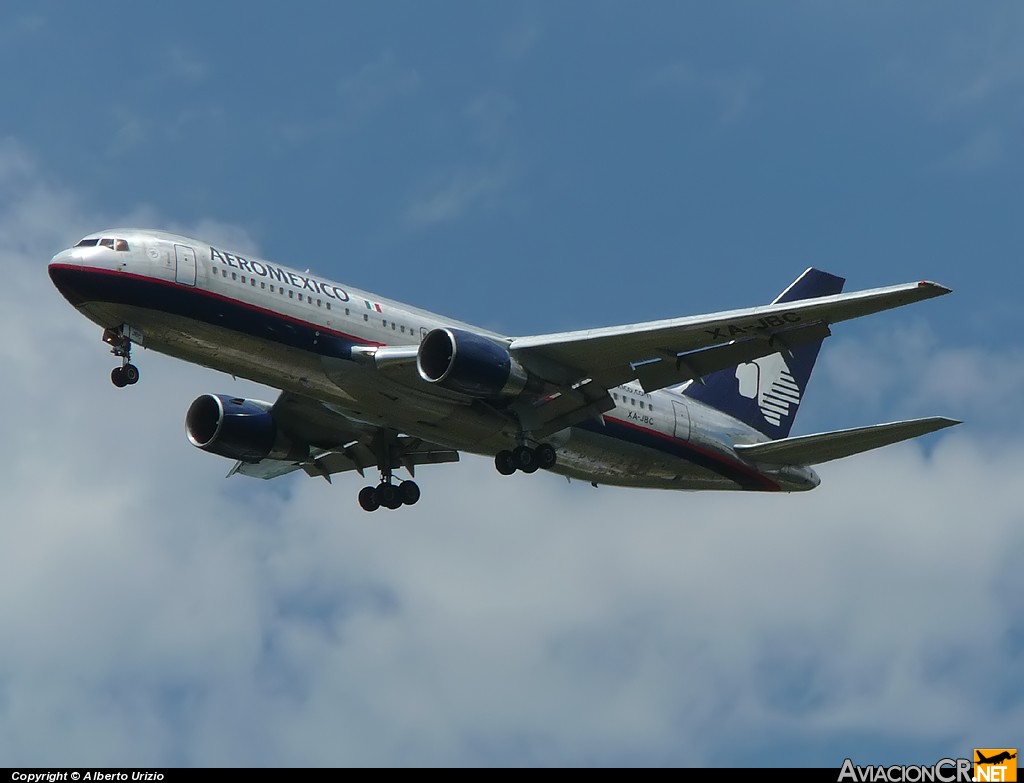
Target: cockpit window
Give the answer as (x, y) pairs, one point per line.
(114, 243)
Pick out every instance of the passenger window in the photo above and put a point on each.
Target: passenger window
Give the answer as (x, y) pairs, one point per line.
(272, 288)
(366, 316)
(263, 286)
(632, 401)
(403, 330)
(252, 281)
(392, 326)
(224, 273)
(300, 297)
(234, 275)
(291, 294)
(346, 311)
(319, 303)
(328, 305)
(243, 279)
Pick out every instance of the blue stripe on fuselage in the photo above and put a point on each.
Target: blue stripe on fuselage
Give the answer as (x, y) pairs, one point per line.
(82, 285)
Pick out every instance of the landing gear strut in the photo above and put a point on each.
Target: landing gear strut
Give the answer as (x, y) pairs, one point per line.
(121, 346)
(387, 494)
(524, 458)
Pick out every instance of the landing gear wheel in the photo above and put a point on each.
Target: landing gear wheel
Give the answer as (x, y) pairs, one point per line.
(545, 455)
(121, 346)
(387, 496)
(523, 457)
(409, 492)
(503, 461)
(368, 499)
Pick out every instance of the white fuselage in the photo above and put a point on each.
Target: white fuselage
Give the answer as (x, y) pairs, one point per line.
(296, 331)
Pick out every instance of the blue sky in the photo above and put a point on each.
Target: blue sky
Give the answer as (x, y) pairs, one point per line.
(529, 167)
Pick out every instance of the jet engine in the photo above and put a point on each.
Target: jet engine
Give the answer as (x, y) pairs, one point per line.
(471, 364)
(239, 429)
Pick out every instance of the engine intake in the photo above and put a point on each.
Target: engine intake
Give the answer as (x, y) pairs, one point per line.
(471, 364)
(239, 429)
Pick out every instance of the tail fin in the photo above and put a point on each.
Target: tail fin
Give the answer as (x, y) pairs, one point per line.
(766, 392)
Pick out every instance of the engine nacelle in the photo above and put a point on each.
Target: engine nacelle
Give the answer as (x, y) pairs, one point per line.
(238, 429)
(471, 364)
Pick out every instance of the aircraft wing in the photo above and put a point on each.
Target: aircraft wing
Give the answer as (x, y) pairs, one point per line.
(611, 356)
(339, 444)
(827, 446)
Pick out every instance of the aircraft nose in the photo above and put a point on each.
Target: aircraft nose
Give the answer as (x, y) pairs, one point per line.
(64, 270)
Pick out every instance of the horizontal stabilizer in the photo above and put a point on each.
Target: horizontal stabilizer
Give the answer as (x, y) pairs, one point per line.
(827, 446)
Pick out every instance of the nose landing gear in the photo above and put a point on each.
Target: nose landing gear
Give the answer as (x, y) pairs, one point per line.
(121, 346)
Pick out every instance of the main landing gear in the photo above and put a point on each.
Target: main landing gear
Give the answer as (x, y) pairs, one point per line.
(121, 345)
(387, 494)
(524, 458)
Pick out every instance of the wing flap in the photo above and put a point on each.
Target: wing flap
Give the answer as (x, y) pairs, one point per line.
(827, 446)
(339, 444)
(409, 453)
(697, 364)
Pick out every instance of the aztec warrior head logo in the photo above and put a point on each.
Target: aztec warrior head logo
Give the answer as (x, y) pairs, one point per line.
(769, 381)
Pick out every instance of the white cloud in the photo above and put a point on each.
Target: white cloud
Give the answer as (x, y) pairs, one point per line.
(22, 29)
(521, 39)
(971, 75)
(452, 196)
(375, 85)
(910, 370)
(154, 613)
(732, 91)
(491, 113)
(983, 150)
(184, 65)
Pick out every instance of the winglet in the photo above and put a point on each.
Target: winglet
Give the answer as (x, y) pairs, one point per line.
(936, 288)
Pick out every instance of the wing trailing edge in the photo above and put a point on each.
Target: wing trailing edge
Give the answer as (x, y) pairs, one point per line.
(827, 446)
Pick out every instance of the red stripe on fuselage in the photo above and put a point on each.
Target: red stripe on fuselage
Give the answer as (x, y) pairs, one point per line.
(211, 295)
(766, 483)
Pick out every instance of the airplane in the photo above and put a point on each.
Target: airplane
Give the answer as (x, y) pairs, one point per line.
(996, 759)
(701, 402)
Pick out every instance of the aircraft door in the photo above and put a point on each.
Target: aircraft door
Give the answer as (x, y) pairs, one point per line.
(682, 416)
(185, 260)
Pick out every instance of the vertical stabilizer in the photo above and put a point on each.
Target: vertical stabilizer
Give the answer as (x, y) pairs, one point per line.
(766, 393)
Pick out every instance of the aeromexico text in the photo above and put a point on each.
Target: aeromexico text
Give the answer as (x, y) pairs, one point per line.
(271, 272)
